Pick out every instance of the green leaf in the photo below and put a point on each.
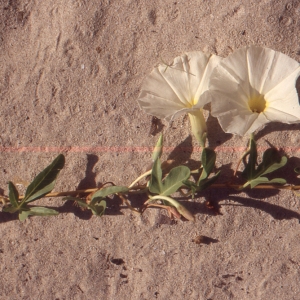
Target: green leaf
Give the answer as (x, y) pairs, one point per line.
(101, 194)
(185, 212)
(264, 180)
(278, 181)
(10, 209)
(260, 180)
(276, 166)
(155, 186)
(204, 184)
(44, 182)
(271, 162)
(37, 211)
(23, 215)
(43, 211)
(297, 170)
(157, 152)
(192, 186)
(179, 207)
(208, 182)
(208, 160)
(98, 209)
(80, 202)
(174, 180)
(13, 194)
(171, 183)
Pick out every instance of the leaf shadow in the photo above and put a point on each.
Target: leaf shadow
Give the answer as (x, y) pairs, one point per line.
(7, 217)
(276, 211)
(89, 181)
(253, 200)
(274, 127)
(71, 207)
(114, 206)
(67, 207)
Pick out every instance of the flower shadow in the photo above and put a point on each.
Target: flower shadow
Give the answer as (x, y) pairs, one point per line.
(89, 181)
(181, 155)
(183, 151)
(215, 134)
(276, 127)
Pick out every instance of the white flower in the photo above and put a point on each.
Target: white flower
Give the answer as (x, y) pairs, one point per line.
(252, 87)
(170, 91)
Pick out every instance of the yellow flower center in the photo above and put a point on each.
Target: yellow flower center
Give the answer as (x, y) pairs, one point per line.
(192, 102)
(257, 104)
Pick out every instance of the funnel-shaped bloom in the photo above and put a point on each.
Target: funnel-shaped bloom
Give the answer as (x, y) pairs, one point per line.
(252, 87)
(170, 91)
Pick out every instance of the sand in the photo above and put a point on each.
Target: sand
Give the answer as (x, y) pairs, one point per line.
(70, 76)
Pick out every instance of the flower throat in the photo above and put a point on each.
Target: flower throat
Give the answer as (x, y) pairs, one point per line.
(257, 104)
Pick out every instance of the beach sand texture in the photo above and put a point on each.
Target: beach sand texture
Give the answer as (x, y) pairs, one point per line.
(70, 75)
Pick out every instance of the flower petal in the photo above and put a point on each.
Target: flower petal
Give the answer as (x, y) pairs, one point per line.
(234, 70)
(163, 108)
(275, 115)
(284, 99)
(229, 84)
(203, 67)
(267, 68)
(242, 124)
(169, 91)
(250, 75)
(178, 77)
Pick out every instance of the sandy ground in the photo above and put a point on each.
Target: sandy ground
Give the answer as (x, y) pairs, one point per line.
(69, 79)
